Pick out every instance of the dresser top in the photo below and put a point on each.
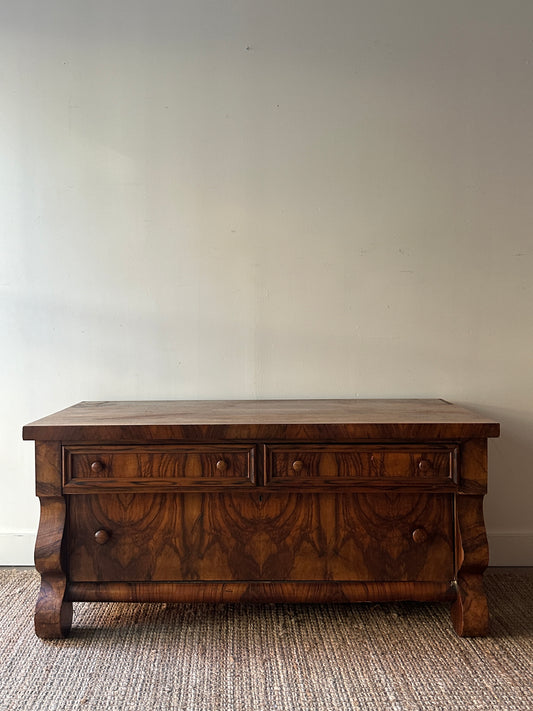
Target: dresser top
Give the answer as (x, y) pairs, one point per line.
(265, 419)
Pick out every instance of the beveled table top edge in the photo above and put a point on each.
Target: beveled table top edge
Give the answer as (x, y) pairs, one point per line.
(168, 419)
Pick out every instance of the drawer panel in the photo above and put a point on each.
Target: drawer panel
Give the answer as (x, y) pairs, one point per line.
(150, 467)
(345, 464)
(247, 536)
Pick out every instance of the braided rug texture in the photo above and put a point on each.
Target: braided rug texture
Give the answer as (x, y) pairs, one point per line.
(398, 656)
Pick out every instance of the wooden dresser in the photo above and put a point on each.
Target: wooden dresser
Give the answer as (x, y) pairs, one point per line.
(263, 501)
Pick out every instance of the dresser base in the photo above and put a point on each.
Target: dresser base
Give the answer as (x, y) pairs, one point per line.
(260, 592)
(469, 610)
(261, 502)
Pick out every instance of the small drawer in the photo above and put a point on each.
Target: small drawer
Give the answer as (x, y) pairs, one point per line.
(156, 467)
(345, 464)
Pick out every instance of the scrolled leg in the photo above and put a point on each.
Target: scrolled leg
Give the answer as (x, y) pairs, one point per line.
(53, 614)
(470, 612)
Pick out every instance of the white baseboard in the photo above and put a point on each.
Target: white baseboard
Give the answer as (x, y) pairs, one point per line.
(511, 549)
(515, 549)
(16, 547)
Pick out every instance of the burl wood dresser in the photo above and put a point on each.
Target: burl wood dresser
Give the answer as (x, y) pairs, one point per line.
(263, 501)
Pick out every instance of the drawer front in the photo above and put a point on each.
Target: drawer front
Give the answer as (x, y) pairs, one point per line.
(349, 464)
(247, 536)
(113, 467)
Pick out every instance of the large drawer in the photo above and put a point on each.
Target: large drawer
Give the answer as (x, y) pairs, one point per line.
(159, 467)
(334, 465)
(258, 535)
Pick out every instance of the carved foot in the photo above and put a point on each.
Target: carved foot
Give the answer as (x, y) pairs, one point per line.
(470, 612)
(53, 615)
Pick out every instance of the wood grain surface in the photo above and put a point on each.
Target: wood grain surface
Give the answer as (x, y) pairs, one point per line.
(323, 591)
(307, 500)
(259, 536)
(330, 462)
(470, 612)
(319, 420)
(181, 466)
(53, 614)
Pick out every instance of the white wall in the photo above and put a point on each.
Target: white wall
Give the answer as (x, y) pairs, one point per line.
(240, 198)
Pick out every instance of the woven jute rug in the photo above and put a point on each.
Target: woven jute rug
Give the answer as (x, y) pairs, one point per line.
(277, 657)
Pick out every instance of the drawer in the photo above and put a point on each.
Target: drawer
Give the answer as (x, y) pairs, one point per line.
(156, 467)
(247, 536)
(347, 464)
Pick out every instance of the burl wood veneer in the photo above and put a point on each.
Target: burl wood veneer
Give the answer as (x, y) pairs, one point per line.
(264, 501)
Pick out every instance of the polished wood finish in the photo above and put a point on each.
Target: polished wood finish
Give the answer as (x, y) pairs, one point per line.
(53, 614)
(273, 501)
(333, 464)
(253, 591)
(185, 466)
(102, 536)
(260, 536)
(470, 613)
(297, 420)
(420, 535)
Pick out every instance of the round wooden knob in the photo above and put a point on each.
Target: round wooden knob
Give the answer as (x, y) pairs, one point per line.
(97, 467)
(424, 465)
(102, 536)
(298, 465)
(419, 535)
(221, 465)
